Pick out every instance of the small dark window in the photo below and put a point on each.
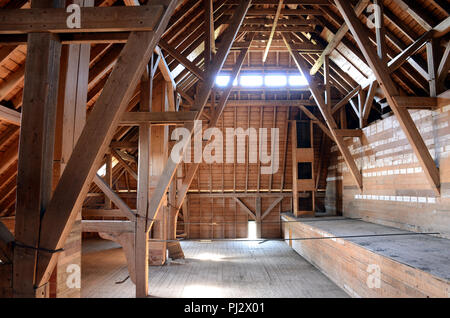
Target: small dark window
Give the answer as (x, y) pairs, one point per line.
(305, 201)
(303, 134)
(304, 170)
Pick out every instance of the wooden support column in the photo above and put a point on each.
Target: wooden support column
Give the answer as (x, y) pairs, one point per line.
(108, 178)
(71, 118)
(258, 217)
(95, 139)
(37, 138)
(391, 92)
(432, 60)
(174, 248)
(159, 152)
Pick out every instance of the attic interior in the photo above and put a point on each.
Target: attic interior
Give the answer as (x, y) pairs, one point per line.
(201, 148)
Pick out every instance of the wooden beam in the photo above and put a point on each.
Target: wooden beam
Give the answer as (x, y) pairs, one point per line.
(11, 82)
(391, 91)
(210, 39)
(326, 113)
(245, 207)
(54, 20)
(182, 60)
(195, 194)
(124, 164)
(271, 207)
(272, 32)
(443, 69)
(336, 39)
(346, 99)
(143, 188)
(200, 102)
(9, 156)
(317, 121)
(432, 60)
(35, 167)
(114, 197)
(369, 103)
(416, 102)
(107, 226)
(94, 141)
(157, 118)
(10, 116)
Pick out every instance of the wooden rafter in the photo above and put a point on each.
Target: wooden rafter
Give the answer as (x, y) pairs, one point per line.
(94, 141)
(326, 113)
(272, 32)
(336, 39)
(391, 91)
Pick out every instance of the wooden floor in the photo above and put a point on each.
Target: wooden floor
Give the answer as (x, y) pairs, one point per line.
(218, 269)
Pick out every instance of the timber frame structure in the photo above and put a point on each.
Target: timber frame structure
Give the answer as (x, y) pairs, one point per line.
(107, 95)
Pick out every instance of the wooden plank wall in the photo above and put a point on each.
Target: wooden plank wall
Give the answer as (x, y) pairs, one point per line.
(396, 192)
(219, 178)
(231, 218)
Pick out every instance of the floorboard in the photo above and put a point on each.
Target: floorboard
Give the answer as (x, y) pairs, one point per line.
(217, 269)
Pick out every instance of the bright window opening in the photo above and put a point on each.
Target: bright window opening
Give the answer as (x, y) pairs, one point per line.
(275, 80)
(252, 230)
(251, 80)
(223, 80)
(102, 171)
(297, 80)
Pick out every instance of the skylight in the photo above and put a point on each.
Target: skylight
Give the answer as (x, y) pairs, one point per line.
(275, 80)
(251, 81)
(223, 80)
(297, 80)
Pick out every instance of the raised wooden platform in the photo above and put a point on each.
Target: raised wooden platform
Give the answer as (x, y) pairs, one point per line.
(409, 266)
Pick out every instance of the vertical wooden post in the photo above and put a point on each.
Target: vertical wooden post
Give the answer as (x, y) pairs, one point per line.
(432, 59)
(108, 178)
(141, 234)
(380, 31)
(37, 138)
(71, 118)
(258, 217)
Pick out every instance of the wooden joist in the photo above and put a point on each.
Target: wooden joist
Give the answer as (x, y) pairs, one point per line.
(246, 208)
(349, 132)
(157, 118)
(336, 39)
(271, 207)
(126, 211)
(104, 19)
(94, 141)
(272, 32)
(107, 226)
(346, 99)
(416, 102)
(10, 116)
(391, 91)
(182, 59)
